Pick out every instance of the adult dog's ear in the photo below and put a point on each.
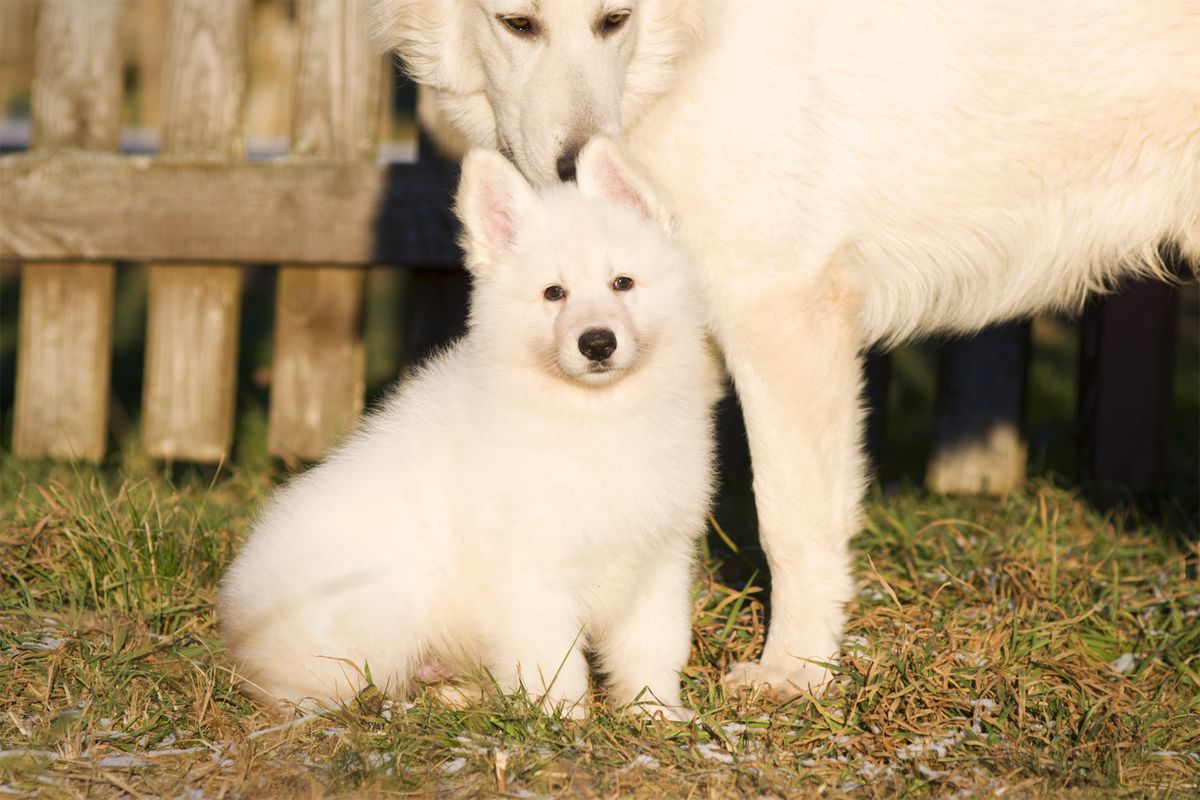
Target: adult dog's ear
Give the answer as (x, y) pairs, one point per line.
(432, 39)
(604, 170)
(491, 196)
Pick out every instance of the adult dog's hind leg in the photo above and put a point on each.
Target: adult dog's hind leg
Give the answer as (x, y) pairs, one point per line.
(793, 351)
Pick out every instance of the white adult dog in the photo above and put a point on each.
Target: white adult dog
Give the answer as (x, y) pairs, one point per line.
(846, 173)
(536, 490)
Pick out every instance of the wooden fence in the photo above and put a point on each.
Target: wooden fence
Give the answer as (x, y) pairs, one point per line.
(194, 212)
(71, 207)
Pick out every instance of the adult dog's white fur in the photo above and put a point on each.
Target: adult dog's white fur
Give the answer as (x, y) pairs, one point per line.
(515, 502)
(847, 173)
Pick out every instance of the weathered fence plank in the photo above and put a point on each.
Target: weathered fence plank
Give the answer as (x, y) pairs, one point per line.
(193, 313)
(65, 337)
(978, 442)
(1126, 372)
(318, 380)
(136, 208)
(18, 26)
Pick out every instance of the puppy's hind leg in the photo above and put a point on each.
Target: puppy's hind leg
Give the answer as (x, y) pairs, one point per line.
(645, 648)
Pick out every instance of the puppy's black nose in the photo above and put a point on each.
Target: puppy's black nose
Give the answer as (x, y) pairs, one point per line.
(566, 164)
(597, 343)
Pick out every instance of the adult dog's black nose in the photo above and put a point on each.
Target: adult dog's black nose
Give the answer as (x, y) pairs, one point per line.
(597, 343)
(566, 163)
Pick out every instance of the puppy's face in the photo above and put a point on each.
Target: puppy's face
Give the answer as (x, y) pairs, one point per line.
(581, 286)
(579, 282)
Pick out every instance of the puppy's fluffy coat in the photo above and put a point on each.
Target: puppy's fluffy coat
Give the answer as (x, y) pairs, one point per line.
(516, 503)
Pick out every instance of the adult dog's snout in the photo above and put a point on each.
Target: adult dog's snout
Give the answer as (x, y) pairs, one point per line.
(597, 343)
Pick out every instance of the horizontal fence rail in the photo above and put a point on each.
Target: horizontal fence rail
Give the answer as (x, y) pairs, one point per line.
(98, 207)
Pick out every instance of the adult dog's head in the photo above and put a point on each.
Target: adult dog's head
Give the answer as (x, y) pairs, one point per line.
(538, 78)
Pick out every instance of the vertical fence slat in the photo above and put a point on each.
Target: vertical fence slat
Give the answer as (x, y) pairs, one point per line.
(1126, 376)
(17, 38)
(978, 442)
(317, 382)
(436, 302)
(65, 336)
(192, 321)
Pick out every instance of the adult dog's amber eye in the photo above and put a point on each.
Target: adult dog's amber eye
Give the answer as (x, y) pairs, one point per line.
(553, 293)
(614, 20)
(623, 284)
(519, 24)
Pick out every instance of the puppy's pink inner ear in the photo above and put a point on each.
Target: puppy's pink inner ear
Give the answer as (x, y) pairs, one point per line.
(616, 187)
(498, 217)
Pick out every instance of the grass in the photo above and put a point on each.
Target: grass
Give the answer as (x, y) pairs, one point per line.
(1036, 646)
(1032, 645)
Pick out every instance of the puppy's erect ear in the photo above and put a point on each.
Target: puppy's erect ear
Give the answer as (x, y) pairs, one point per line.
(604, 170)
(491, 196)
(432, 39)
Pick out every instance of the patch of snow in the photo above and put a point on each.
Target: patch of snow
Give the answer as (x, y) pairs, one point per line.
(1123, 664)
(970, 657)
(922, 747)
(641, 760)
(191, 793)
(122, 761)
(869, 770)
(451, 767)
(284, 726)
(22, 753)
(713, 752)
(47, 644)
(930, 774)
(469, 746)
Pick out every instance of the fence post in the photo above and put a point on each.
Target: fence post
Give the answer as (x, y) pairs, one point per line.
(436, 301)
(65, 339)
(978, 442)
(317, 382)
(1126, 372)
(192, 324)
(18, 25)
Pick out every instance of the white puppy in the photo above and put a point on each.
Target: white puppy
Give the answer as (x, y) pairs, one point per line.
(533, 493)
(846, 173)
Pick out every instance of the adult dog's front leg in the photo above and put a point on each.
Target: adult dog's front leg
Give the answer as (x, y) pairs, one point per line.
(794, 356)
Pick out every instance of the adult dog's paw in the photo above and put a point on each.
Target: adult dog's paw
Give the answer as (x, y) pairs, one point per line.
(767, 682)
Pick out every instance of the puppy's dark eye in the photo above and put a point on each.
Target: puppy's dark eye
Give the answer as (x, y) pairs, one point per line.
(623, 284)
(554, 293)
(521, 25)
(613, 21)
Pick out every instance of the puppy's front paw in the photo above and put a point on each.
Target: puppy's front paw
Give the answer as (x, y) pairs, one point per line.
(681, 714)
(768, 682)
